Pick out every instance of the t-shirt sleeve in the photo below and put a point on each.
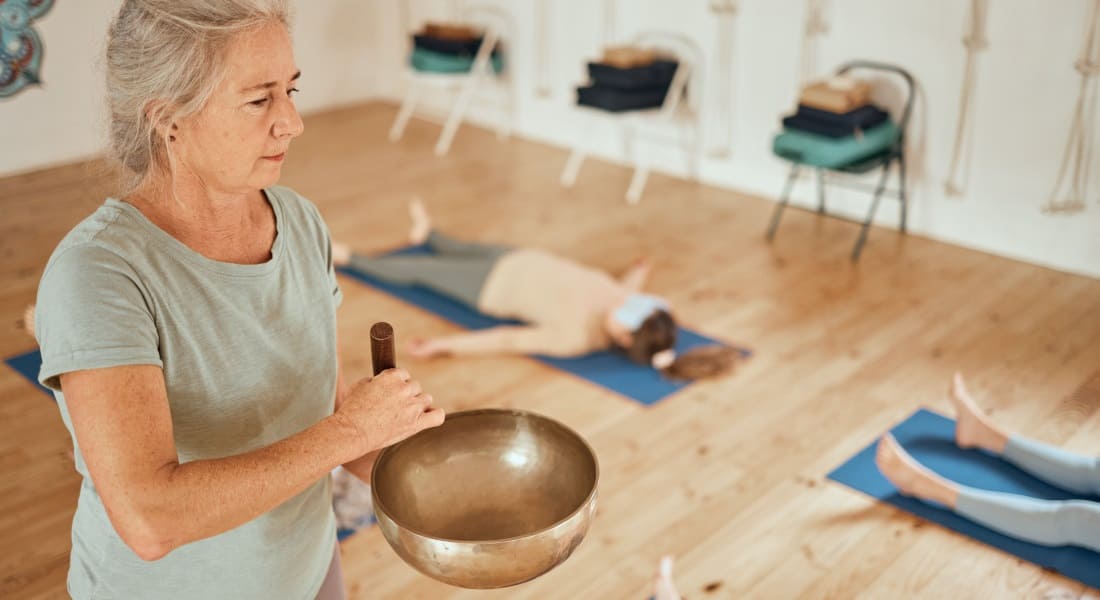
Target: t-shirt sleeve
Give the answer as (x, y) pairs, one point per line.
(337, 294)
(91, 313)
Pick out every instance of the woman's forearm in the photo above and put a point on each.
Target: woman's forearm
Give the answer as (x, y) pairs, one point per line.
(362, 467)
(186, 502)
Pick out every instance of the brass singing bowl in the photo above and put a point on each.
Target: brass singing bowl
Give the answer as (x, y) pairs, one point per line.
(489, 499)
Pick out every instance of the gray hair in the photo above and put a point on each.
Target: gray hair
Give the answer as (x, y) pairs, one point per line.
(171, 52)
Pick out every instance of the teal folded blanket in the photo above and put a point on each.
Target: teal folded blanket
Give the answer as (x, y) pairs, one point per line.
(437, 62)
(833, 153)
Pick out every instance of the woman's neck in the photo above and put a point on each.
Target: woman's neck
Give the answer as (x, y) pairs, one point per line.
(236, 227)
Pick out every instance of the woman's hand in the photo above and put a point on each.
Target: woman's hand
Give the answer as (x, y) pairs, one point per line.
(388, 409)
(426, 348)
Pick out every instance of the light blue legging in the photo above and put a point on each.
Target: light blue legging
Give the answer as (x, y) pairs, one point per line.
(1047, 522)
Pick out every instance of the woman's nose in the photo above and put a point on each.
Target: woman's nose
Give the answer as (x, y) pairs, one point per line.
(289, 122)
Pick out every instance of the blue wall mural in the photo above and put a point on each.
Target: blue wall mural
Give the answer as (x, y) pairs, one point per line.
(20, 46)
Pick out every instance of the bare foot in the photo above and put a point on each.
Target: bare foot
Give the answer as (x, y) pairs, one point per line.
(28, 320)
(341, 254)
(664, 588)
(910, 477)
(421, 222)
(973, 429)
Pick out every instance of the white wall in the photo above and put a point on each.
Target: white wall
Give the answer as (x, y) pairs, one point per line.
(65, 119)
(62, 120)
(353, 50)
(1026, 91)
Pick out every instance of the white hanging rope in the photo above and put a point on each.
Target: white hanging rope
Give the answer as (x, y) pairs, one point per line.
(814, 27)
(725, 12)
(975, 41)
(608, 23)
(405, 16)
(542, 48)
(1077, 157)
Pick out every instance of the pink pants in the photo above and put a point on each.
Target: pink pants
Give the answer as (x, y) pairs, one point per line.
(333, 586)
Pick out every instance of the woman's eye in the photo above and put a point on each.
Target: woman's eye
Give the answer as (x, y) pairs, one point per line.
(292, 91)
(258, 103)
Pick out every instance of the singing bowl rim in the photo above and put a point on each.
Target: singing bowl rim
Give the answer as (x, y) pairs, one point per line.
(380, 505)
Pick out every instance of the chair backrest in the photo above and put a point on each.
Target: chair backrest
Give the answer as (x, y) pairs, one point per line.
(499, 26)
(893, 71)
(688, 79)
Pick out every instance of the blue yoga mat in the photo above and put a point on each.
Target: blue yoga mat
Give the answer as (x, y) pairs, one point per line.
(28, 366)
(930, 438)
(610, 370)
(343, 533)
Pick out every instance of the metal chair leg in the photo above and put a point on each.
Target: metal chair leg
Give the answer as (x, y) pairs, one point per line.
(904, 199)
(871, 214)
(820, 192)
(783, 199)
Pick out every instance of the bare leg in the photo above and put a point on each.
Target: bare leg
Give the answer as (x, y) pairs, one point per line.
(973, 428)
(910, 477)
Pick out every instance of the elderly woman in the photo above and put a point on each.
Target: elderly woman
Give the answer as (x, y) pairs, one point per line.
(188, 328)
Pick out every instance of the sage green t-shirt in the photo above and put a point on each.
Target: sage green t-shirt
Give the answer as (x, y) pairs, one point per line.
(249, 358)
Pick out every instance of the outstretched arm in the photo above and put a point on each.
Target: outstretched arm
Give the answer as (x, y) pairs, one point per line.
(635, 277)
(505, 339)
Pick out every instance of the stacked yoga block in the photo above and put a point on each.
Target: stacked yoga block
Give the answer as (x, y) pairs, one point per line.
(445, 48)
(627, 78)
(836, 125)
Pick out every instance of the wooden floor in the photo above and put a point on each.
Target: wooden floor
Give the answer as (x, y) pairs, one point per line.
(728, 476)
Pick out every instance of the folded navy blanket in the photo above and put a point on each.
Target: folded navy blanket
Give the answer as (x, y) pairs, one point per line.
(448, 46)
(649, 78)
(618, 100)
(835, 125)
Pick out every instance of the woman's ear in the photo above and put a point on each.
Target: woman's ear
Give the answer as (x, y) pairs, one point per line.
(618, 333)
(159, 116)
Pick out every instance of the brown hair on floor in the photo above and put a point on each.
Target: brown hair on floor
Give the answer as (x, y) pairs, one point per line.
(703, 363)
(658, 333)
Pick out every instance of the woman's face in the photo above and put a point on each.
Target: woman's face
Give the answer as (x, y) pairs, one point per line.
(238, 141)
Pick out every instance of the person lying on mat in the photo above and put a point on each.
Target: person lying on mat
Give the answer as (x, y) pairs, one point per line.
(568, 309)
(188, 328)
(1046, 522)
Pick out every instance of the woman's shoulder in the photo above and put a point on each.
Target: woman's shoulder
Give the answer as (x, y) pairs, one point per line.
(293, 204)
(104, 238)
(298, 211)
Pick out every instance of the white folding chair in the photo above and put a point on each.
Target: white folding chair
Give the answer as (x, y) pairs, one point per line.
(680, 113)
(497, 26)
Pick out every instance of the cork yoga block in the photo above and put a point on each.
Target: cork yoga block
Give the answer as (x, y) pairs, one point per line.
(837, 95)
